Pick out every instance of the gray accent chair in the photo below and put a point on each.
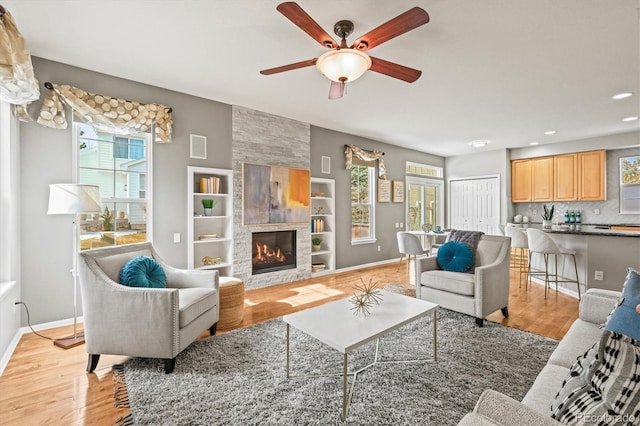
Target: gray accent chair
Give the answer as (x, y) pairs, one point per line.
(143, 322)
(477, 293)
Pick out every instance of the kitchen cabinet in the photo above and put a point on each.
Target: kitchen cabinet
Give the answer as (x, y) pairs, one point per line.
(521, 180)
(592, 175)
(566, 177)
(542, 179)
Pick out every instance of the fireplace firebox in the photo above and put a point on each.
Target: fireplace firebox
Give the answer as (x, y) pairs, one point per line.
(273, 251)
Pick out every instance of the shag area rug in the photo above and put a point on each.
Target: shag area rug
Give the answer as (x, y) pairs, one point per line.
(239, 378)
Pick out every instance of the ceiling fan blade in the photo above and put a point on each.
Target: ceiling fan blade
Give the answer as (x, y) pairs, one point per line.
(399, 25)
(289, 67)
(336, 90)
(394, 70)
(298, 16)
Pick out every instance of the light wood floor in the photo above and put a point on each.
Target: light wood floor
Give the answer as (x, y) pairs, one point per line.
(43, 384)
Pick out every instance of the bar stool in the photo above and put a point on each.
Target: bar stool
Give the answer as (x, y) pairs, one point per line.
(519, 243)
(541, 243)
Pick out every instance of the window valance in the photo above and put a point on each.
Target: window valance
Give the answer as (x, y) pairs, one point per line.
(368, 156)
(112, 114)
(18, 84)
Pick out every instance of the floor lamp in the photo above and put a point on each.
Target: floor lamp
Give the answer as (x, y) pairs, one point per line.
(73, 199)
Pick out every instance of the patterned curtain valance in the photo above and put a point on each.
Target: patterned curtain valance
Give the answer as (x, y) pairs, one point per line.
(351, 150)
(18, 84)
(104, 112)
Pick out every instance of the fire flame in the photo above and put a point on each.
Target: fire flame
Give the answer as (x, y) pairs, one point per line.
(267, 254)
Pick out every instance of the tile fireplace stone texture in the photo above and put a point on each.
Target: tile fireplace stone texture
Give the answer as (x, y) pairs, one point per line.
(262, 138)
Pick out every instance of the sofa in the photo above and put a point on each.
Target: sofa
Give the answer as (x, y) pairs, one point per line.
(140, 321)
(495, 408)
(479, 292)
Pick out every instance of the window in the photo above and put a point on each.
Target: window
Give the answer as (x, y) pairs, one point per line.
(362, 204)
(630, 185)
(121, 167)
(423, 170)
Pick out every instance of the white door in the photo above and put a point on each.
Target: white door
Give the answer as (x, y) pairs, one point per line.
(474, 204)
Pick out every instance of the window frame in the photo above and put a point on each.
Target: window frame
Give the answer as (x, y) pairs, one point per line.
(148, 199)
(372, 206)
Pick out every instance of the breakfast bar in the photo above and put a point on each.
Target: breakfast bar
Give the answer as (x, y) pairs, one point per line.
(599, 248)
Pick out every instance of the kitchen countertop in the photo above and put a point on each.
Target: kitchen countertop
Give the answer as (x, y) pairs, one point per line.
(601, 230)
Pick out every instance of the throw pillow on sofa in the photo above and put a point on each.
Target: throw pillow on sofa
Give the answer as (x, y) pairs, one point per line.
(579, 376)
(611, 394)
(455, 256)
(143, 271)
(624, 318)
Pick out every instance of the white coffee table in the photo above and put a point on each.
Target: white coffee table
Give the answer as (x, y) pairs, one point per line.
(336, 325)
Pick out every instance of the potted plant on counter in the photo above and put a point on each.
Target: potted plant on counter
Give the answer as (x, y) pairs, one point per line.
(316, 243)
(547, 216)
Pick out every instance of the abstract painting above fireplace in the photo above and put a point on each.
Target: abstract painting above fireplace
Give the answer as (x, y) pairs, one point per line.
(274, 194)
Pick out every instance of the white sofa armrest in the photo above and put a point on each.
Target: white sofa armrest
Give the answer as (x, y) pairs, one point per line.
(597, 304)
(504, 410)
(422, 264)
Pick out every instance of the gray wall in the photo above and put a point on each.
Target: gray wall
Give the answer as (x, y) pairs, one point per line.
(331, 144)
(46, 158)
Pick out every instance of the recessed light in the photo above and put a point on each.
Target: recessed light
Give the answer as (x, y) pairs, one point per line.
(622, 95)
(534, 143)
(630, 119)
(479, 143)
(550, 132)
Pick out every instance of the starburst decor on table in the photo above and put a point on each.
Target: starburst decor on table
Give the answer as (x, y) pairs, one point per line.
(368, 295)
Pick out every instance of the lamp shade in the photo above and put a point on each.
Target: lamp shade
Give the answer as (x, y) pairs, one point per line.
(68, 198)
(343, 65)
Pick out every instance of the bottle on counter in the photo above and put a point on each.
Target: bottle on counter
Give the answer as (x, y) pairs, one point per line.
(578, 217)
(572, 217)
(566, 216)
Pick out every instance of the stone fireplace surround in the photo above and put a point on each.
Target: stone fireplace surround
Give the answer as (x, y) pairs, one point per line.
(262, 138)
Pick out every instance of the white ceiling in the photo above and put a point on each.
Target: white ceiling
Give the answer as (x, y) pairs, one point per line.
(504, 70)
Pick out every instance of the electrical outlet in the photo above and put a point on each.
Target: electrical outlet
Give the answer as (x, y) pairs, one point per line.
(596, 211)
(378, 248)
(401, 224)
(176, 237)
(14, 306)
(599, 276)
(397, 225)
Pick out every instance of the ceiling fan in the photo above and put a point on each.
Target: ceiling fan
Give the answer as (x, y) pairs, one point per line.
(344, 64)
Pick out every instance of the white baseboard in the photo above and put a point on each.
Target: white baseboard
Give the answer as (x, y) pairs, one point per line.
(25, 330)
(561, 288)
(364, 265)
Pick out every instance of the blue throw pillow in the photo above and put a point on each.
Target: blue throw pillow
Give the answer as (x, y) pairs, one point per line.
(624, 319)
(455, 256)
(143, 271)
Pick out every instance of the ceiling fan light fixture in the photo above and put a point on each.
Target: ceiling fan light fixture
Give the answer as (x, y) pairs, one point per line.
(343, 65)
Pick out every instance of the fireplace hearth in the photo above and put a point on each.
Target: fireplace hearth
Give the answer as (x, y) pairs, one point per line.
(273, 251)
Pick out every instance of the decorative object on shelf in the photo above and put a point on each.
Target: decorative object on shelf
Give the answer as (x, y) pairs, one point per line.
(547, 216)
(319, 210)
(317, 267)
(384, 191)
(398, 191)
(208, 204)
(369, 295)
(208, 260)
(71, 199)
(318, 194)
(275, 194)
(198, 146)
(316, 243)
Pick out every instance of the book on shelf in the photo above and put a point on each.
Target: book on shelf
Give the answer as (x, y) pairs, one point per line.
(317, 225)
(207, 236)
(210, 185)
